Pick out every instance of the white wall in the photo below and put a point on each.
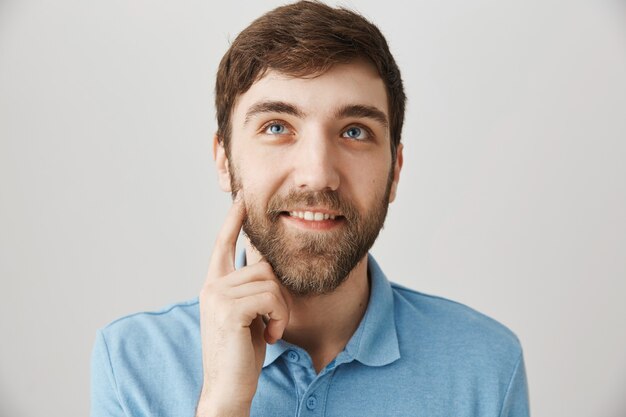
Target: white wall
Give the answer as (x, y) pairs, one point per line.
(512, 198)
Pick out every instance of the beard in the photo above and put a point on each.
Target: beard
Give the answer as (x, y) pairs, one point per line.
(313, 263)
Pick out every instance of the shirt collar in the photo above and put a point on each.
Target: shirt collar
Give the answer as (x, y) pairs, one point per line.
(375, 341)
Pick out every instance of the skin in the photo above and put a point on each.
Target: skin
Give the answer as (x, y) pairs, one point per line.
(311, 151)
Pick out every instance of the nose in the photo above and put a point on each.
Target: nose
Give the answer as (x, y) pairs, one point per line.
(315, 163)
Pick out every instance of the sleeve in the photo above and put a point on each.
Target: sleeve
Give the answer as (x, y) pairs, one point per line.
(515, 402)
(104, 395)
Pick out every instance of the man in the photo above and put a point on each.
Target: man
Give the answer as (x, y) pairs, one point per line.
(310, 106)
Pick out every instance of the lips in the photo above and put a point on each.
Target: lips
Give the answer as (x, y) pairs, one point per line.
(312, 215)
(313, 220)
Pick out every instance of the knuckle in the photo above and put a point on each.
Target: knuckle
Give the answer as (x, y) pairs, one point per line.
(266, 268)
(208, 290)
(213, 299)
(269, 297)
(273, 287)
(231, 313)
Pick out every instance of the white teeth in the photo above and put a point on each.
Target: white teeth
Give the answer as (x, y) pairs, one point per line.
(312, 216)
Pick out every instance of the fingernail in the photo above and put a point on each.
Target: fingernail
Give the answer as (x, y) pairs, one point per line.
(238, 197)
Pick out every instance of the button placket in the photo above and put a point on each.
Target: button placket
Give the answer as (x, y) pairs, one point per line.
(293, 356)
(310, 387)
(311, 402)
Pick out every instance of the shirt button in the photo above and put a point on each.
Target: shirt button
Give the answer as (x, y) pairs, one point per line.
(311, 402)
(293, 356)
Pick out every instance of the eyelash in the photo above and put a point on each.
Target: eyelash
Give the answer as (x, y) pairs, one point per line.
(368, 131)
(273, 122)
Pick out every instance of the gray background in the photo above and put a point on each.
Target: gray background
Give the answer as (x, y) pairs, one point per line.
(512, 197)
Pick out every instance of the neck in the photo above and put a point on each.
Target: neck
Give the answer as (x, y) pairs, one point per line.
(323, 324)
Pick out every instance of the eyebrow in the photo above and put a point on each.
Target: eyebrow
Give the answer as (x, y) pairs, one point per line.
(362, 111)
(272, 107)
(349, 110)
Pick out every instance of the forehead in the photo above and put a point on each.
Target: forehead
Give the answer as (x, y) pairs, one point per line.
(355, 83)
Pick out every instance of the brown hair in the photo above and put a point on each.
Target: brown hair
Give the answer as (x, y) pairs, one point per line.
(305, 39)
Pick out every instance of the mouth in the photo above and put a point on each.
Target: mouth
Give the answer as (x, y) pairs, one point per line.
(315, 216)
(313, 219)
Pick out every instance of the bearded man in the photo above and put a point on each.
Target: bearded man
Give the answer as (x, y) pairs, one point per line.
(310, 107)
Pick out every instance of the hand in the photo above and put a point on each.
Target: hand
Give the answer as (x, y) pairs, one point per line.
(232, 304)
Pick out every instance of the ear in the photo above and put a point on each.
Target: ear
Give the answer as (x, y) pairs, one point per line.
(221, 164)
(396, 173)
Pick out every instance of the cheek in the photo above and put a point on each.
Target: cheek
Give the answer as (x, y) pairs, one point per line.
(259, 181)
(370, 181)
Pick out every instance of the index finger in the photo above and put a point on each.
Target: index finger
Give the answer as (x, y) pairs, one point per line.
(223, 256)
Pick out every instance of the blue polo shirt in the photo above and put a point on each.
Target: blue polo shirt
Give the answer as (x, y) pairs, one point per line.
(412, 355)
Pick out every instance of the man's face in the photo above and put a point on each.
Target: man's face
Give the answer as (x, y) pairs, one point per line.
(313, 159)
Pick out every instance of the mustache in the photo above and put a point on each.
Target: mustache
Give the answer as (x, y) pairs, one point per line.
(327, 198)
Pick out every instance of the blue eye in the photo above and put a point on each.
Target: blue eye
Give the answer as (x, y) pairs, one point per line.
(276, 129)
(355, 132)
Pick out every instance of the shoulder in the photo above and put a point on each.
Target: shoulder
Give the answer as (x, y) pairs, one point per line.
(148, 355)
(177, 321)
(460, 351)
(452, 327)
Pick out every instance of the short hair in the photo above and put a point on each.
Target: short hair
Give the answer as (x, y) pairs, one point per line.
(303, 39)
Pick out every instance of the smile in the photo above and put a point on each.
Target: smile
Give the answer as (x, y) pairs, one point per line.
(311, 220)
(312, 215)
